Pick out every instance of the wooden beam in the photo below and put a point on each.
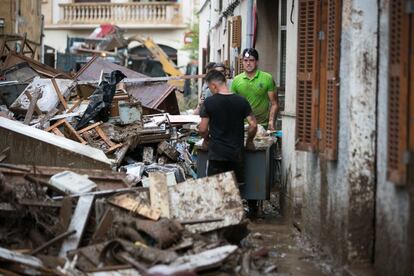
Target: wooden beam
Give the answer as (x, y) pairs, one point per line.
(75, 105)
(59, 93)
(33, 103)
(89, 127)
(159, 195)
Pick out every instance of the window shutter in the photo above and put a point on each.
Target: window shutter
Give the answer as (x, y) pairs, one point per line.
(236, 32)
(306, 90)
(238, 66)
(398, 93)
(329, 102)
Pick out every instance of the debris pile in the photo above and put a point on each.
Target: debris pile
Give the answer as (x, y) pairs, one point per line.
(97, 175)
(68, 223)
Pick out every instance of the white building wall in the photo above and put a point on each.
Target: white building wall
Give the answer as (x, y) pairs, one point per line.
(392, 202)
(338, 197)
(174, 37)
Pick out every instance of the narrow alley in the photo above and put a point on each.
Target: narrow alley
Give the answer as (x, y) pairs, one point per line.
(207, 137)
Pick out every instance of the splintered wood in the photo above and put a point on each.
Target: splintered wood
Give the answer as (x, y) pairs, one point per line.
(135, 205)
(214, 197)
(159, 193)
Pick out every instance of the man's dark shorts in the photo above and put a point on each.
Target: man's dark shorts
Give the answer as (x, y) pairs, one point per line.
(221, 166)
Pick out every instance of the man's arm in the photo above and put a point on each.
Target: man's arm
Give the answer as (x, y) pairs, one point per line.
(251, 131)
(203, 127)
(273, 109)
(203, 131)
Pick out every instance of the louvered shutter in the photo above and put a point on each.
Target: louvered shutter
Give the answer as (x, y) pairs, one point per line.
(236, 32)
(306, 90)
(398, 93)
(329, 108)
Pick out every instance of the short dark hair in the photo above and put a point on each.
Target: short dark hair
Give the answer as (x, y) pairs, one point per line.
(250, 52)
(215, 75)
(210, 66)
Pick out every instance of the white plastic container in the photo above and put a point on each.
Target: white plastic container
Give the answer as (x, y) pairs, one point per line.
(72, 183)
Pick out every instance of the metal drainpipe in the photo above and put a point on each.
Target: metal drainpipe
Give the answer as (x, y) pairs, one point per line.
(249, 26)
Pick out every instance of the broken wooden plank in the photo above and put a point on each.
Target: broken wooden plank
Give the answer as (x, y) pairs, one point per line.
(75, 105)
(89, 127)
(55, 125)
(212, 197)
(73, 133)
(104, 137)
(32, 106)
(135, 205)
(159, 193)
(59, 93)
(113, 148)
(57, 132)
(78, 223)
(30, 97)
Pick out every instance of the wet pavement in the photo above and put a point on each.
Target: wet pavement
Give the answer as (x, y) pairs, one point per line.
(291, 254)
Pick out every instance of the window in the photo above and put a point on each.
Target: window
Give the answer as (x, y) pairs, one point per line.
(400, 92)
(317, 91)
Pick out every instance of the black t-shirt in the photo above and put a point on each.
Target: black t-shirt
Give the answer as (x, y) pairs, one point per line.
(226, 115)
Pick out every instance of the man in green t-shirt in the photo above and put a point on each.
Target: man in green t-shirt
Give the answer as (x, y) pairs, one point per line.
(258, 87)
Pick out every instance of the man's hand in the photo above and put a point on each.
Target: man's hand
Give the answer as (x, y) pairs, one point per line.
(250, 145)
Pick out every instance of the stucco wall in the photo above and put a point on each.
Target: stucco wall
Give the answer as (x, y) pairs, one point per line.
(338, 196)
(28, 21)
(267, 35)
(392, 210)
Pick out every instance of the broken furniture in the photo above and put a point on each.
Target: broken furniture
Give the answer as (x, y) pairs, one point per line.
(110, 146)
(70, 131)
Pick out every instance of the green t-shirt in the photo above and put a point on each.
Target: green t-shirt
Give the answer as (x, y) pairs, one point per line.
(255, 91)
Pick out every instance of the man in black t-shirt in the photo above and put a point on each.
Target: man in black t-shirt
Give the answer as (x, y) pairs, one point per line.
(222, 127)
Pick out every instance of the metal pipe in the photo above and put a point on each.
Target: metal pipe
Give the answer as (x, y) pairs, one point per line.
(52, 241)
